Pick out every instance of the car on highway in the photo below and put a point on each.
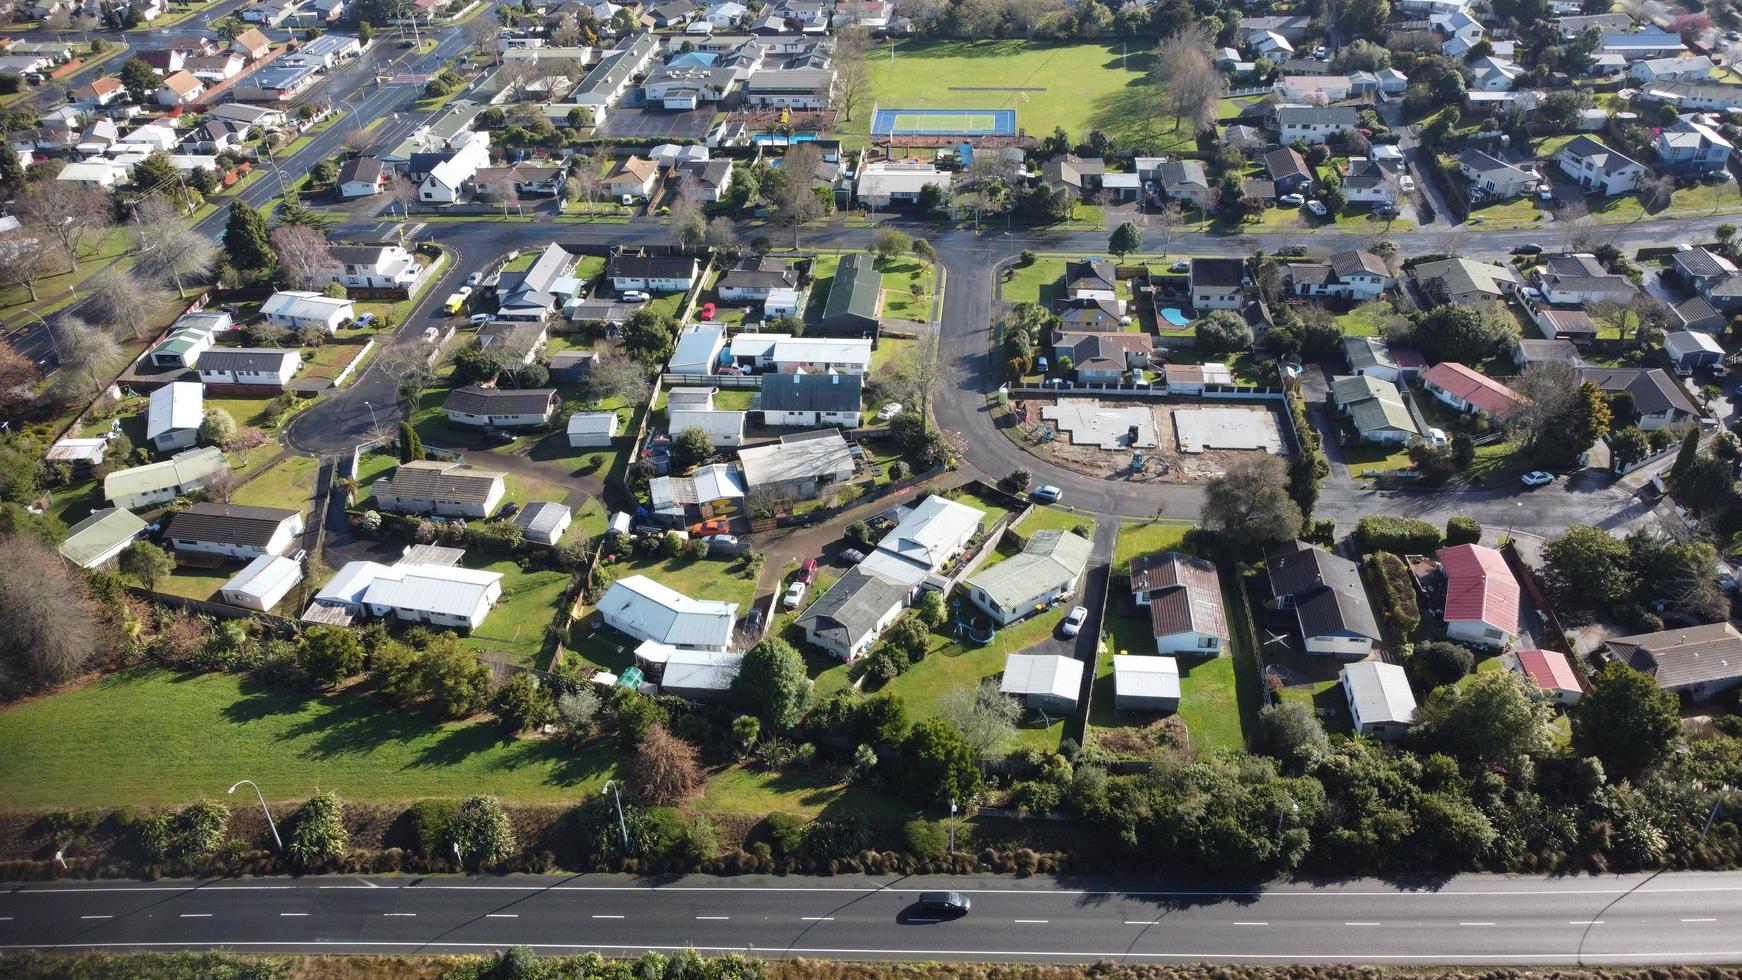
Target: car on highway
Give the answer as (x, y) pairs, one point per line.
(710, 527)
(1537, 478)
(1047, 494)
(945, 903)
(1528, 248)
(794, 595)
(1291, 200)
(888, 411)
(1317, 208)
(1073, 623)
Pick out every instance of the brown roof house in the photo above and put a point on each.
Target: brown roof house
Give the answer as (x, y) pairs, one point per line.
(439, 487)
(1183, 594)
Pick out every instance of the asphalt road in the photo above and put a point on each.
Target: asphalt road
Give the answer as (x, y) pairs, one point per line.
(1475, 920)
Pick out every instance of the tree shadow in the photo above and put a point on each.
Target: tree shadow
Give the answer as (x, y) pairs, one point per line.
(259, 701)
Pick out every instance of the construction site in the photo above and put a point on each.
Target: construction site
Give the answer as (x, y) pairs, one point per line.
(1166, 441)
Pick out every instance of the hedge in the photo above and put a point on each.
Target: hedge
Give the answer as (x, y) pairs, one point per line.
(1463, 530)
(1399, 535)
(1392, 575)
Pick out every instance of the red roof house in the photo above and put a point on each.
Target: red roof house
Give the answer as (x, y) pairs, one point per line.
(1482, 599)
(1471, 391)
(1552, 674)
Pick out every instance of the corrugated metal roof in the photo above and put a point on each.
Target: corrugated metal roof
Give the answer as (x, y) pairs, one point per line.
(1479, 587)
(1379, 693)
(264, 575)
(648, 610)
(1045, 674)
(98, 534)
(177, 405)
(1145, 676)
(1050, 560)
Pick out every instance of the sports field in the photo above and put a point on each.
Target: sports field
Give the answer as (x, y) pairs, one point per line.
(1077, 86)
(943, 122)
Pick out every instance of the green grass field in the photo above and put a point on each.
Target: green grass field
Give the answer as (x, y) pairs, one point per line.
(289, 483)
(518, 627)
(150, 737)
(1145, 539)
(1077, 86)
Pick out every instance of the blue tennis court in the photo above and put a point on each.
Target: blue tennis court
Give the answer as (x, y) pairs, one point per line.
(943, 122)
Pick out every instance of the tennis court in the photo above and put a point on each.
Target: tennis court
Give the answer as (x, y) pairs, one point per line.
(944, 122)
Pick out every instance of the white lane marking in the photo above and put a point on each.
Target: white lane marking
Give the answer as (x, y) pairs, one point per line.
(607, 917)
(5, 918)
(96, 917)
(1029, 922)
(1699, 920)
(1141, 922)
(1475, 923)
(502, 915)
(1251, 923)
(400, 915)
(293, 915)
(196, 915)
(1585, 922)
(371, 884)
(816, 918)
(1361, 923)
(713, 918)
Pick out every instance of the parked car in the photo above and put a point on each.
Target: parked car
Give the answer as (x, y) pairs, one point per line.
(1318, 208)
(465, 290)
(753, 622)
(1537, 478)
(725, 540)
(945, 903)
(1528, 248)
(888, 411)
(807, 572)
(1047, 494)
(431, 335)
(1073, 623)
(708, 311)
(508, 510)
(710, 527)
(479, 319)
(635, 296)
(1406, 183)
(853, 556)
(794, 595)
(475, 278)
(1291, 200)
(365, 319)
(1180, 266)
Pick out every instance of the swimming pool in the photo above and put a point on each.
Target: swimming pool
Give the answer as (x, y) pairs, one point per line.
(1174, 317)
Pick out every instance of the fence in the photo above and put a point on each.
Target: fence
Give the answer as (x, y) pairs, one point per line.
(339, 379)
(1555, 635)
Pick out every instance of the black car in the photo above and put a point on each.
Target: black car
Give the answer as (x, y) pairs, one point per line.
(1528, 249)
(944, 903)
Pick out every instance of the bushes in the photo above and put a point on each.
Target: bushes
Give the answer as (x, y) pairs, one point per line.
(1399, 535)
(319, 835)
(786, 832)
(836, 835)
(481, 832)
(430, 820)
(1439, 663)
(1463, 530)
(926, 839)
(183, 837)
(1394, 580)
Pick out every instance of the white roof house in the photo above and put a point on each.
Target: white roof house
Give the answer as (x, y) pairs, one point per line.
(173, 419)
(1379, 697)
(298, 308)
(699, 675)
(723, 428)
(544, 521)
(262, 583)
(847, 354)
(1145, 683)
(1045, 681)
(592, 429)
(698, 348)
(931, 533)
(647, 610)
(443, 595)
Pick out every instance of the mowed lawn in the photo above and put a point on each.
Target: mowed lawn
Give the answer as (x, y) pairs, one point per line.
(1077, 86)
(149, 736)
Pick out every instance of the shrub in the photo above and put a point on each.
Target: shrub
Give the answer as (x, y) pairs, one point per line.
(319, 834)
(481, 831)
(836, 835)
(1438, 663)
(523, 703)
(926, 839)
(1463, 530)
(430, 820)
(187, 835)
(786, 830)
(698, 841)
(1399, 535)
(1399, 589)
(1035, 798)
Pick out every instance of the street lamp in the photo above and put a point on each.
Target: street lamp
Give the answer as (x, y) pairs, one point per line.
(263, 808)
(1280, 812)
(952, 827)
(1710, 817)
(373, 424)
(611, 787)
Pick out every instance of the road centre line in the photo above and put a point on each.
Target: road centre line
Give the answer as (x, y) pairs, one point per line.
(96, 917)
(1141, 922)
(1475, 923)
(607, 917)
(400, 915)
(816, 918)
(502, 915)
(1585, 922)
(1362, 923)
(293, 915)
(713, 918)
(1699, 920)
(196, 915)
(1029, 922)
(1252, 923)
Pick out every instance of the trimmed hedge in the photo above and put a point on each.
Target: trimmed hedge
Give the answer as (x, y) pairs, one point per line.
(1463, 530)
(1398, 535)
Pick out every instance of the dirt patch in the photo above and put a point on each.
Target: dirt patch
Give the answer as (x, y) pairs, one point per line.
(1166, 462)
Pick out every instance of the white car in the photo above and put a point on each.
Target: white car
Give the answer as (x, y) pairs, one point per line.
(1317, 208)
(430, 335)
(465, 291)
(479, 319)
(888, 411)
(1407, 183)
(1537, 478)
(1074, 621)
(474, 279)
(794, 595)
(1180, 266)
(1291, 200)
(636, 296)
(1048, 494)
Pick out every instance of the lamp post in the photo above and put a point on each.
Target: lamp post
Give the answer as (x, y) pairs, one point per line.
(611, 787)
(53, 337)
(1710, 817)
(263, 808)
(1293, 807)
(373, 423)
(952, 827)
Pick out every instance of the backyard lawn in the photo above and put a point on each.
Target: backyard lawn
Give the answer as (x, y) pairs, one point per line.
(1146, 539)
(289, 483)
(150, 737)
(1370, 319)
(519, 624)
(1055, 519)
(1037, 282)
(904, 297)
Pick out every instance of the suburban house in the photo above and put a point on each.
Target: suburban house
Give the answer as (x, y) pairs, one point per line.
(1372, 356)
(1184, 181)
(381, 265)
(440, 595)
(1687, 68)
(1660, 400)
(295, 309)
(799, 467)
(854, 300)
(1457, 24)
(173, 419)
(252, 43)
(698, 349)
(1270, 46)
(530, 296)
(518, 341)
(251, 367)
(786, 354)
(706, 180)
(215, 68)
(900, 183)
(811, 400)
(1533, 351)
(754, 277)
(1183, 594)
(794, 84)
(652, 273)
(431, 486)
(646, 610)
(1492, 178)
(1380, 701)
(1308, 88)
(82, 454)
(1071, 172)
(1092, 279)
(1461, 280)
(1580, 280)
(101, 537)
(714, 490)
(362, 177)
(1218, 284)
(1351, 274)
(1191, 379)
(179, 89)
(1145, 683)
(1598, 168)
(501, 408)
(1696, 662)
(263, 583)
(851, 616)
(544, 521)
(1692, 145)
(1702, 269)
(1090, 316)
(592, 430)
(1376, 409)
(1470, 391)
(1288, 170)
(1329, 601)
(1637, 45)
(633, 177)
(1102, 358)
(1482, 597)
(925, 539)
(1689, 350)
(159, 483)
(1370, 182)
(1550, 673)
(1044, 681)
(234, 530)
(447, 179)
(1313, 124)
(1049, 568)
(724, 429)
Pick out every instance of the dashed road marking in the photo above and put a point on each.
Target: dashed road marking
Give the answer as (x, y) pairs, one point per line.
(1475, 923)
(1363, 923)
(1699, 920)
(816, 918)
(607, 917)
(1029, 922)
(196, 915)
(713, 918)
(293, 915)
(96, 917)
(1585, 922)
(400, 915)
(502, 915)
(1251, 923)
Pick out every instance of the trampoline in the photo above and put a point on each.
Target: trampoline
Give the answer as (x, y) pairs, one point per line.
(943, 122)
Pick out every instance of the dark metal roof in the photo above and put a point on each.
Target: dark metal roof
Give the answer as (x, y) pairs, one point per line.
(810, 393)
(854, 291)
(228, 524)
(1327, 591)
(500, 401)
(249, 359)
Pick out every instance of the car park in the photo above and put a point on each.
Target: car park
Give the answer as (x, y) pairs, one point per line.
(1074, 620)
(1537, 478)
(1047, 494)
(853, 556)
(1289, 200)
(794, 595)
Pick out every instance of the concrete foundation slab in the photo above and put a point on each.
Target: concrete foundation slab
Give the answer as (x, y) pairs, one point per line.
(1108, 427)
(1199, 429)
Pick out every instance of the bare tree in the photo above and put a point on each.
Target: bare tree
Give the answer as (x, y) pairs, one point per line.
(1185, 71)
(852, 78)
(1655, 194)
(65, 212)
(1551, 387)
(24, 262)
(59, 20)
(924, 371)
(403, 193)
(688, 225)
(985, 715)
(409, 369)
(18, 378)
(356, 140)
(483, 31)
(722, 234)
(89, 356)
(167, 248)
(53, 630)
(1168, 221)
(615, 376)
(585, 180)
(1579, 234)
(795, 201)
(665, 769)
(501, 187)
(221, 485)
(117, 298)
(303, 255)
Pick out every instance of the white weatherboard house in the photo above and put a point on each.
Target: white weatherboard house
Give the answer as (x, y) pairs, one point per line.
(724, 429)
(1328, 600)
(931, 533)
(263, 583)
(173, 420)
(440, 595)
(1048, 569)
(249, 366)
(1379, 697)
(847, 620)
(653, 613)
(234, 530)
(591, 430)
(159, 483)
(299, 308)
(501, 408)
(811, 399)
(1048, 682)
(437, 487)
(544, 521)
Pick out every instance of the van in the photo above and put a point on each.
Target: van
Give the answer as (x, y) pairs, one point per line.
(454, 304)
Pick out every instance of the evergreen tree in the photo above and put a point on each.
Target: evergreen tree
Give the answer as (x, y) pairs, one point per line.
(1684, 460)
(11, 172)
(410, 444)
(247, 240)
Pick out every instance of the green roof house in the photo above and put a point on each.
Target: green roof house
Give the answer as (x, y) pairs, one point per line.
(1376, 408)
(851, 309)
(159, 483)
(1047, 570)
(100, 537)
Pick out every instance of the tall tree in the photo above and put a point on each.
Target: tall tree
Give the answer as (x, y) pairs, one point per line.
(852, 77)
(1126, 238)
(984, 714)
(795, 198)
(1185, 71)
(1629, 723)
(937, 764)
(118, 298)
(1592, 563)
(12, 173)
(1248, 505)
(1685, 457)
(18, 379)
(665, 769)
(65, 213)
(246, 238)
(772, 684)
(140, 79)
(167, 247)
(305, 259)
(147, 562)
(1490, 720)
(54, 630)
(89, 357)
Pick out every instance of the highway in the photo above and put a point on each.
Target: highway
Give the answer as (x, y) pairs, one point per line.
(1686, 917)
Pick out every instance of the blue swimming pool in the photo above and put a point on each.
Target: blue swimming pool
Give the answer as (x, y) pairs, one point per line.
(1174, 317)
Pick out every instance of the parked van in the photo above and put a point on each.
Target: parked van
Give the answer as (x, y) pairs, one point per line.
(454, 303)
